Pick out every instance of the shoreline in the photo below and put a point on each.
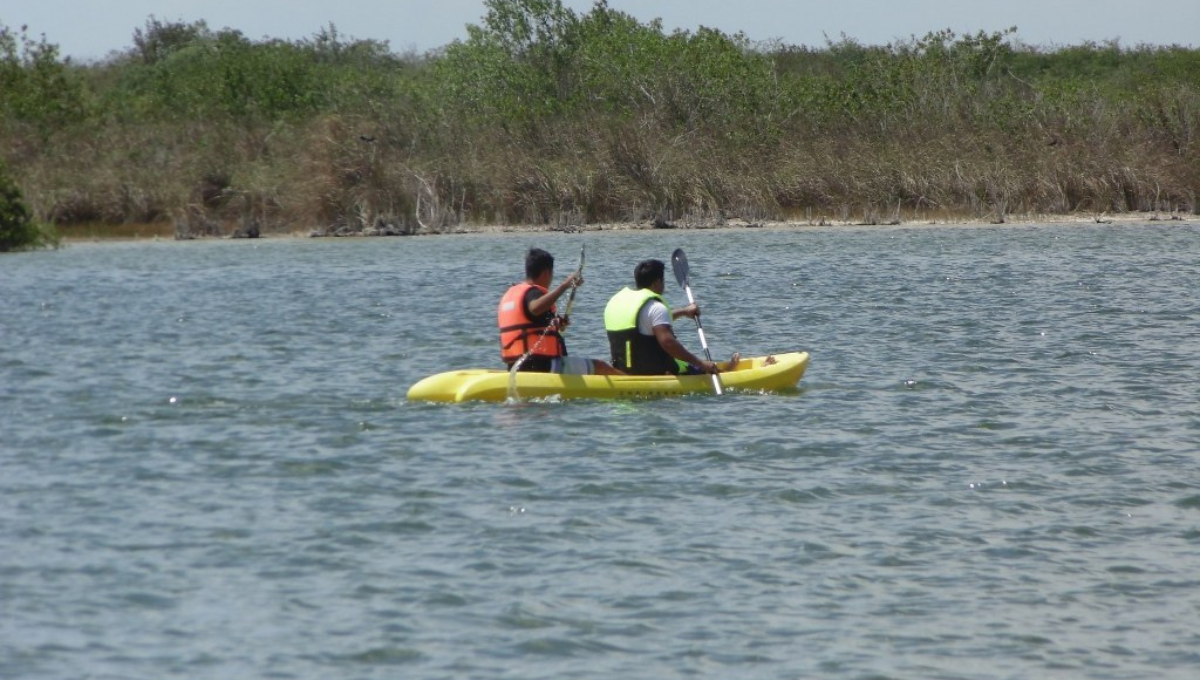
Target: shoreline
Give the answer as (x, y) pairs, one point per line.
(164, 232)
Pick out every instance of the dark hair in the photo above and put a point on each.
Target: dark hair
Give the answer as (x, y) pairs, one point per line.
(647, 272)
(537, 261)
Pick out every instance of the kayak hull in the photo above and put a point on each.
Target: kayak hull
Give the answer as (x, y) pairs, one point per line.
(754, 374)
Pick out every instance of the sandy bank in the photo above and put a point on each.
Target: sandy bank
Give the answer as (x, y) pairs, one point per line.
(161, 232)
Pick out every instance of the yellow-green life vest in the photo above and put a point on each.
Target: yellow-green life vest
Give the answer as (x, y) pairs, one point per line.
(631, 351)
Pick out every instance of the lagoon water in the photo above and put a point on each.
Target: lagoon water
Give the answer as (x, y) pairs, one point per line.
(991, 469)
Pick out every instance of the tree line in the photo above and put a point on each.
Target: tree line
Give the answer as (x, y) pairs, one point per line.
(546, 116)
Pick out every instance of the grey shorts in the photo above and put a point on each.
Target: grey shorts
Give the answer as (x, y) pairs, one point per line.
(571, 365)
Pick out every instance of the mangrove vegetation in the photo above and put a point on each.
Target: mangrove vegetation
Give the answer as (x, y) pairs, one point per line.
(546, 116)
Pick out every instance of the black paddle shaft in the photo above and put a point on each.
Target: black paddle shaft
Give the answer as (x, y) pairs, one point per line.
(679, 264)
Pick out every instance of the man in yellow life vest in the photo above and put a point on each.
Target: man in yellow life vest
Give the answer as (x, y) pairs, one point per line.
(530, 327)
(640, 335)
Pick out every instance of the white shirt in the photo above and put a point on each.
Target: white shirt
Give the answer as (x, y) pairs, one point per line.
(651, 315)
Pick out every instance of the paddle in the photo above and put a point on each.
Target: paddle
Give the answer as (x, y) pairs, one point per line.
(680, 264)
(574, 287)
(512, 372)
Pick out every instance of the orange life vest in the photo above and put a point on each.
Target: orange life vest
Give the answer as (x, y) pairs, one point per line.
(519, 333)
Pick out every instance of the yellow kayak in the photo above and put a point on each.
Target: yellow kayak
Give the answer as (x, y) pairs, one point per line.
(767, 373)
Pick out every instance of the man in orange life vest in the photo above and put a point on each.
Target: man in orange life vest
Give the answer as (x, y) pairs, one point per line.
(530, 328)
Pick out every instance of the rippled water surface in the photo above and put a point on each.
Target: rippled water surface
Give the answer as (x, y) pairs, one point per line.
(208, 468)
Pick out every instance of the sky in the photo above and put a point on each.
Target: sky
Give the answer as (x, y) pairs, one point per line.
(88, 30)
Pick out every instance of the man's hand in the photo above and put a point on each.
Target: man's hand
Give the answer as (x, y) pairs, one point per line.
(690, 311)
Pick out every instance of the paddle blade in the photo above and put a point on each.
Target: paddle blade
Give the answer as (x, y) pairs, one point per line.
(680, 264)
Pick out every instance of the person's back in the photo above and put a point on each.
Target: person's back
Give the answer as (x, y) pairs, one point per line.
(640, 336)
(629, 319)
(530, 327)
(528, 330)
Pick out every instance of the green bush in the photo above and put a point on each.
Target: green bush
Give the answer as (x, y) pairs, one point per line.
(18, 231)
(188, 72)
(38, 89)
(545, 114)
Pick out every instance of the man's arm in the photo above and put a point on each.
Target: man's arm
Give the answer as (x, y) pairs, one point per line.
(543, 304)
(665, 335)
